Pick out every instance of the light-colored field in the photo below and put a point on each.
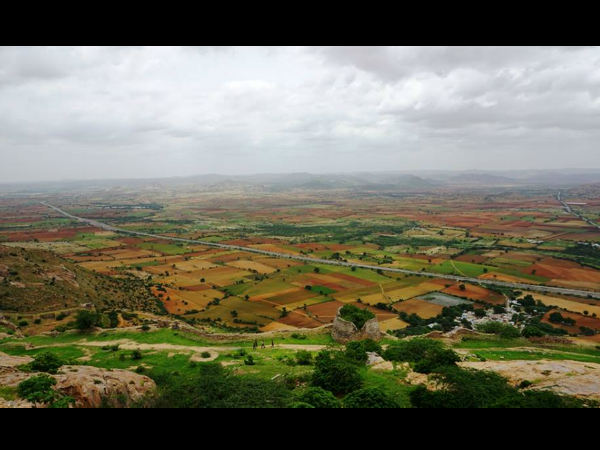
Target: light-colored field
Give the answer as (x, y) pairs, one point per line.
(194, 264)
(569, 305)
(59, 247)
(252, 266)
(392, 324)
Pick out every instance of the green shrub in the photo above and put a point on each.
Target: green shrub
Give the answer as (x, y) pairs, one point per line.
(356, 315)
(369, 398)
(411, 350)
(303, 358)
(86, 320)
(357, 350)
(505, 331)
(468, 388)
(301, 405)
(38, 389)
(249, 361)
(211, 386)
(319, 398)
(45, 362)
(136, 355)
(205, 355)
(436, 359)
(333, 372)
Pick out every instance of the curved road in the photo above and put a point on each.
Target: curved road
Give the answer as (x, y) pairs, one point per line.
(522, 286)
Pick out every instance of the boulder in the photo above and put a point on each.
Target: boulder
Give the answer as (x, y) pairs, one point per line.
(344, 331)
(92, 387)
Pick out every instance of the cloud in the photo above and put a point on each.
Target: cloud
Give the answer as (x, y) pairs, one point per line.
(89, 112)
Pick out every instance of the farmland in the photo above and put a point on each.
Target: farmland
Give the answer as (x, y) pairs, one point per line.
(522, 237)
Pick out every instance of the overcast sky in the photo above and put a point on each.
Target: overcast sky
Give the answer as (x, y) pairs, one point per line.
(79, 113)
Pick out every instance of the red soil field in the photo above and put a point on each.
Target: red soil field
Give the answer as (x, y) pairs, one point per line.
(580, 319)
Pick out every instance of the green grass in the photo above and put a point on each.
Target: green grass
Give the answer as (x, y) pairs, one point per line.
(8, 393)
(66, 352)
(390, 382)
(532, 355)
(491, 342)
(462, 268)
(323, 290)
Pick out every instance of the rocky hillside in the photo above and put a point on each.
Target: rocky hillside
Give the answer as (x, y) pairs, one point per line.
(40, 281)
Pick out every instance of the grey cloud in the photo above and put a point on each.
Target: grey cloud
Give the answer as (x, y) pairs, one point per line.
(134, 111)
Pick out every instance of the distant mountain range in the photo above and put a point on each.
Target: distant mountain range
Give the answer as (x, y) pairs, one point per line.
(413, 181)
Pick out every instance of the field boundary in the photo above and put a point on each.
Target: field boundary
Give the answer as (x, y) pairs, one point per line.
(523, 286)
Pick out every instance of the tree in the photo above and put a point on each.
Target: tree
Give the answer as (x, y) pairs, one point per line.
(46, 362)
(369, 398)
(38, 389)
(85, 320)
(303, 358)
(318, 398)
(356, 351)
(356, 315)
(335, 373)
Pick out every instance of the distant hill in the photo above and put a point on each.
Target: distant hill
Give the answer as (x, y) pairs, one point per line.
(40, 281)
(418, 180)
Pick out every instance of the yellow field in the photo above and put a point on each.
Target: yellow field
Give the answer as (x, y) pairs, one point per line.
(414, 291)
(199, 299)
(569, 305)
(276, 326)
(251, 265)
(194, 264)
(392, 324)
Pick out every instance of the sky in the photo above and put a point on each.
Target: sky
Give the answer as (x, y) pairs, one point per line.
(144, 112)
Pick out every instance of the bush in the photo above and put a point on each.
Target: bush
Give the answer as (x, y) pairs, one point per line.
(136, 355)
(317, 397)
(411, 350)
(467, 388)
(301, 405)
(303, 358)
(85, 320)
(213, 387)
(369, 398)
(503, 330)
(333, 372)
(357, 350)
(298, 336)
(205, 355)
(249, 361)
(45, 362)
(436, 359)
(38, 389)
(356, 315)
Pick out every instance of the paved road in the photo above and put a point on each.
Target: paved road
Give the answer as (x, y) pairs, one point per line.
(570, 210)
(521, 286)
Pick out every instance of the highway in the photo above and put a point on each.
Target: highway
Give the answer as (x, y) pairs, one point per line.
(568, 209)
(520, 286)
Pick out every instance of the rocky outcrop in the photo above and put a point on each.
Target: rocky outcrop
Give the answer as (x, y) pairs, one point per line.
(344, 331)
(580, 379)
(92, 387)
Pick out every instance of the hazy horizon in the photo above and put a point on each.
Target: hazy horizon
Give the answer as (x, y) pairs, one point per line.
(87, 113)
